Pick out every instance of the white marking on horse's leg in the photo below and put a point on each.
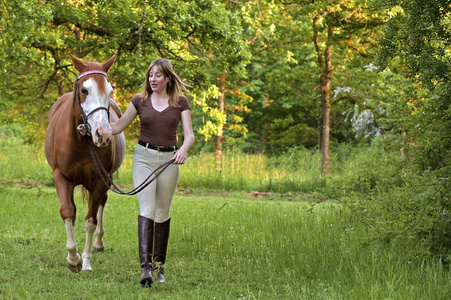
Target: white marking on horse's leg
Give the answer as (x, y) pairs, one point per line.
(73, 259)
(90, 227)
(98, 242)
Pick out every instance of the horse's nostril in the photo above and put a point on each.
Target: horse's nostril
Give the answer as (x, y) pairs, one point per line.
(99, 137)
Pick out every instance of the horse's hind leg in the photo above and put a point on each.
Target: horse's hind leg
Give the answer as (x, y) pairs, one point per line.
(98, 242)
(65, 191)
(96, 197)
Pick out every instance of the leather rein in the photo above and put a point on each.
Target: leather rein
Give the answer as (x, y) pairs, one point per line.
(107, 180)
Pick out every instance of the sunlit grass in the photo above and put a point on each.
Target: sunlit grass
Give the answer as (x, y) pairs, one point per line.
(24, 162)
(297, 171)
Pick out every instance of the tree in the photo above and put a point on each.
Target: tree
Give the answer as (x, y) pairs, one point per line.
(416, 43)
(37, 36)
(346, 26)
(283, 112)
(305, 50)
(418, 33)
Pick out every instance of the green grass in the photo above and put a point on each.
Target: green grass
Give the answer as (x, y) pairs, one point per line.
(221, 247)
(308, 242)
(25, 163)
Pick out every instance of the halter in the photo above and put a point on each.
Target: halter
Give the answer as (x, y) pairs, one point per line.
(83, 115)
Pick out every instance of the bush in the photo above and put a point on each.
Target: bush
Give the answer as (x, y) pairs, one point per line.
(13, 134)
(420, 209)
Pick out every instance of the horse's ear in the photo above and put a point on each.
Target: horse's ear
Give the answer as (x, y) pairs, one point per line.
(79, 66)
(107, 65)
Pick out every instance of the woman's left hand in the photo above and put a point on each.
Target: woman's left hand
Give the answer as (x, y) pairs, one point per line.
(180, 156)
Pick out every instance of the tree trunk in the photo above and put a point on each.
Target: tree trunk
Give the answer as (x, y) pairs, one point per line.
(220, 136)
(325, 81)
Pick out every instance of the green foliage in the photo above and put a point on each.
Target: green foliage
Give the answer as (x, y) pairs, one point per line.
(418, 209)
(284, 75)
(418, 33)
(356, 170)
(433, 127)
(266, 51)
(415, 44)
(37, 37)
(12, 135)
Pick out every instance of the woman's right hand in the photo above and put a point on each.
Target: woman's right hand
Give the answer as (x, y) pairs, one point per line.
(82, 129)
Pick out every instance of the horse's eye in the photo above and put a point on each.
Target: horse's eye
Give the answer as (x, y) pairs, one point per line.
(84, 91)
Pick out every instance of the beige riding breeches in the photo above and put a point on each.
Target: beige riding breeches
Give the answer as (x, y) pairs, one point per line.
(155, 200)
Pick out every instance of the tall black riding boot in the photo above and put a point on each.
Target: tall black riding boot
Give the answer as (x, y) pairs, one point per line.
(161, 246)
(145, 237)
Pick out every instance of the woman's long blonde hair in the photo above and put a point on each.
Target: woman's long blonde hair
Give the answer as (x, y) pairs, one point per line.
(175, 85)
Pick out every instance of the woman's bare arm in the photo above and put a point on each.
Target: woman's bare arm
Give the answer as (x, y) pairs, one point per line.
(188, 138)
(126, 119)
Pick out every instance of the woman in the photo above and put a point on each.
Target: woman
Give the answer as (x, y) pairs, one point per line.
(160, 107)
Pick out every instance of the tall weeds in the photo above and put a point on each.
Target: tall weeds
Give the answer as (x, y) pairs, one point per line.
(296, 171)
(354, 170)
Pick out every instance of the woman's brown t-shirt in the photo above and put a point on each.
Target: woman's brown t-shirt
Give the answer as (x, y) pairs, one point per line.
(159, 128)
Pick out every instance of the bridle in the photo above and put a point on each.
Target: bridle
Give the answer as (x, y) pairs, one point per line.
(100, 168)
(83, 114)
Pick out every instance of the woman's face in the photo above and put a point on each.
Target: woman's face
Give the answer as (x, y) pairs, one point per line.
(157, 80)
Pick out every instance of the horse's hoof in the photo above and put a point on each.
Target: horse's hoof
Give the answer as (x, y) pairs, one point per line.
(75, 268)
(95, 249)
(86, 270)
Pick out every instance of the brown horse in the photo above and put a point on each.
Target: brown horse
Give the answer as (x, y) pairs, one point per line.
(68, 153)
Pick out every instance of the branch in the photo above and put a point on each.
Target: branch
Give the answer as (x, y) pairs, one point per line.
(102, 31)
(44, 47)
(315, 42)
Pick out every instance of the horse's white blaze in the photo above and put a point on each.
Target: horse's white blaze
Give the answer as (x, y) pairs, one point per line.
(98, 242)
(72, 257)
(90, 227)
(95, 100)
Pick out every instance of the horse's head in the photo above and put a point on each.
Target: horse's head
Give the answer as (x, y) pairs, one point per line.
(92, 96)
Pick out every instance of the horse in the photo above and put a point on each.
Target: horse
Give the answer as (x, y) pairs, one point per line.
(68, 153)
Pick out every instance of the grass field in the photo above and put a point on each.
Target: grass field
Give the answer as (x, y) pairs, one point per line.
(221, 247)
(224, 244)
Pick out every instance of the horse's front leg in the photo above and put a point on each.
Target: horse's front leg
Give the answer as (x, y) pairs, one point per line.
(68, 211)
(90, 227)
(73, 258)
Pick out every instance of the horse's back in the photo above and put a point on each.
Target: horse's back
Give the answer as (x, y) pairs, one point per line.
(56, 107)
